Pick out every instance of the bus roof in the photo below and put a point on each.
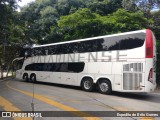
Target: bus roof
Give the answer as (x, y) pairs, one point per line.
(91, 38)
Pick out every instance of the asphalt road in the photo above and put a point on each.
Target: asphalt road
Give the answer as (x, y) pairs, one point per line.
(71, 103)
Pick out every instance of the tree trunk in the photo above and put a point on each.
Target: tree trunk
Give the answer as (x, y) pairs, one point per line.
(8, 69)
(1, 71)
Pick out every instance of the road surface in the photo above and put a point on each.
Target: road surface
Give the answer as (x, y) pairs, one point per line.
(71, 103)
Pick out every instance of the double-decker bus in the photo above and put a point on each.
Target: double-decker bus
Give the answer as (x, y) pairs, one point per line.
(124, 62)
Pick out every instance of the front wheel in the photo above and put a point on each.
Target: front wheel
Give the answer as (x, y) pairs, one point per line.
(104, 87)
(87, 84)
(25, 77)
(33, 78)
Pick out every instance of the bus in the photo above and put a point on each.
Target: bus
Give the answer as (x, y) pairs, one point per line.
(123, 62)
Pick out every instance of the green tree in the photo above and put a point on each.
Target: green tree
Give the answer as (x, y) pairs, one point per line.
(7, 19)
(155, 16)
(123, 21)
(41, 16)
(7, 8)
(156, 28)
(83, 23)
(130, 5)
(103, 7)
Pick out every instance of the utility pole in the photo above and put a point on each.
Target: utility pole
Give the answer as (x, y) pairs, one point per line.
(4, 46)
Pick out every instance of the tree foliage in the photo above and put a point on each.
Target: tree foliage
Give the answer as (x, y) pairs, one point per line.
(10, 32)
(83, 23)
(7, 8)
(49, 21)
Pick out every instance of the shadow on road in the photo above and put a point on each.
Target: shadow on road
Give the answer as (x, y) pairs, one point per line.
(150, 97)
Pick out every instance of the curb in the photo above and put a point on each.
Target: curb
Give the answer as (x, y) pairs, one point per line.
(5, 78)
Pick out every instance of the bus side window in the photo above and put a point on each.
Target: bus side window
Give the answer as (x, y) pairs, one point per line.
(108, 44)
(42, 49)
(52, 50)
(59, 49)
(46, 51)
(47, 67)
(57, 67)
(132, 41)
(76, 67)
(38, 66)
(65, 48)
(32, 52)
(87, 46)
(99, 43)
(30, 67)
(36, 51)
(71, 48)
(112, 43)
(64, 67)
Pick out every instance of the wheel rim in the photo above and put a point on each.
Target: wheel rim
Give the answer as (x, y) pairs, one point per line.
(25, 77)
(87, 84)
(33, 78)
(104, 87)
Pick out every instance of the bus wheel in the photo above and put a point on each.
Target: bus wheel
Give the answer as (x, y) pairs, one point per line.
(33, 78)
(25, 77)
(87, 84)
(104, 87)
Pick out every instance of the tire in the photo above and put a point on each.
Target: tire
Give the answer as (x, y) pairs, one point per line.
(25, 77)
(104, 87)
(33, 78)
(87, 84)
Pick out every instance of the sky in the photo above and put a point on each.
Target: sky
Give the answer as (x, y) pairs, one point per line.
(24, 2)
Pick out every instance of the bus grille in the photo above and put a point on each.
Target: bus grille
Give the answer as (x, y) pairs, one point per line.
(132, 76)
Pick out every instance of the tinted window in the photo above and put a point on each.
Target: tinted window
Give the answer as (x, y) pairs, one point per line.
(37, 51)
(38, 66)
(70, 48)
(87, 46)
(59, 49)
(63, 49)
(56, 67)
(122, 42)
(29, 67)
(99, 43)
(46, 50)
(32, 52)
(73, 47)
(42, 51)
(113, 43)
(34, 67)
(27, 52)
(107, 44)
(66, 48)
(47, 67)
(64, 67)
(75, 67)
(52, 50)
(132, 41)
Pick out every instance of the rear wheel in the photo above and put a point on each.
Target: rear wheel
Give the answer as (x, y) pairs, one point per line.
(87, 84)
(104, 87)
(33, 78)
